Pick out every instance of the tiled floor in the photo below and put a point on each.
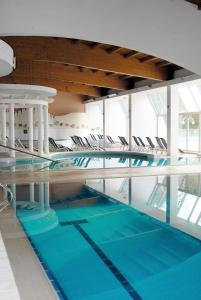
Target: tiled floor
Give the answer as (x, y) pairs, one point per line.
(8, 288)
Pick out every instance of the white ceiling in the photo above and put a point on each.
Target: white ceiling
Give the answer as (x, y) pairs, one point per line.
(169, 29)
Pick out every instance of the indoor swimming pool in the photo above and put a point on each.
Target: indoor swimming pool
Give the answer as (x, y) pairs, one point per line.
(114, 239)
(96, 160)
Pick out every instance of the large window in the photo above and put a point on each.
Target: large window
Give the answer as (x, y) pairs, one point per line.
(95, 117)
(189, 116)
(149, 115)
(116, 117)
(189, 131)
(158, 100)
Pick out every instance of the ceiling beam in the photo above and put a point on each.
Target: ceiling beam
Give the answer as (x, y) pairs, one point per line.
(113, 49)
(96, 45)
(67, 73)
(149, 58)
(163, 64)
(131, 54)
(61, 50)
(63, 86)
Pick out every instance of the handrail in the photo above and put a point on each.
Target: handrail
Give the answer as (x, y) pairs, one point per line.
(4, 187)
(5, 203)
(29, 153)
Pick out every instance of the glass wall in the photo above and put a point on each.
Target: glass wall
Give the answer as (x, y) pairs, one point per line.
(94, 112)
(158, 100)
(189, 126)
(149, 115)
(189, 116)
(117, 117)
(144, 117)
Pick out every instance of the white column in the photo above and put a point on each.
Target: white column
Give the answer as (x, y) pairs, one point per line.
(31, 192)
(104, 131)
(3, 125)
(13, 189)
(130, 120)
(46, 129)
(41, 195)
(172, 198)
(47, 195)
(30, 128)
(12, 129)
(40, 129)
(172, 121)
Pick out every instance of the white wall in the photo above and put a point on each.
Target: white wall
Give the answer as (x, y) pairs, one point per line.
(169, 29)
(144, 120)
(60, 127)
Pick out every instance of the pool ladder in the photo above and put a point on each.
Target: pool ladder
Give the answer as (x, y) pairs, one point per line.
(5, 202)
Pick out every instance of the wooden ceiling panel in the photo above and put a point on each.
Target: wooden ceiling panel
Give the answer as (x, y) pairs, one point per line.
(60, 50)
(82, 67)
(63, 86)
(69, 73)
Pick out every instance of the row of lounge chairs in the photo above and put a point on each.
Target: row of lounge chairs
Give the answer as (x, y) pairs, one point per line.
(84, 144)
(80, 143)
(161, 144)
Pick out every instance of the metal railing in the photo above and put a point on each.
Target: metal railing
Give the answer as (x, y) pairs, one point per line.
(26, 152)
(5, 202)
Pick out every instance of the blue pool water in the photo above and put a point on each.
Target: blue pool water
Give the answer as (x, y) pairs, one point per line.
(95, 248)
(97, 160)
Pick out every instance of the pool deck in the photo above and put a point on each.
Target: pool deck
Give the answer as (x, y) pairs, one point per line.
(76, 175)
(23, 276)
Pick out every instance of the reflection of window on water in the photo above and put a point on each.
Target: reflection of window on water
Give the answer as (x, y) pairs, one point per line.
(188, 198)
(118, 188)
(124, 189)
(158, 197)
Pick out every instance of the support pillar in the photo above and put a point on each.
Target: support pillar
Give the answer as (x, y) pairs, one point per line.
(47, 195)
(46, 130)
(172, 121)
(3, 125)
(12, 129)
(41, 195)
(40, 129)
(130, 120)
(31, 192)
(30, 128)
(104, 131)
(13, 189)
(172, 198)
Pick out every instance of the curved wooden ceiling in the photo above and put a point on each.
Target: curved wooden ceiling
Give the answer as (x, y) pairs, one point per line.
(82, 67)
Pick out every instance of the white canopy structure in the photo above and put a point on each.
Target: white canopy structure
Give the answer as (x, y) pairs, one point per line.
(15, 96)
(7, 60)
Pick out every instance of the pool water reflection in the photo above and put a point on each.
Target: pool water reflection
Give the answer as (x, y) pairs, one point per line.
(95, 161)
(122, 238)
